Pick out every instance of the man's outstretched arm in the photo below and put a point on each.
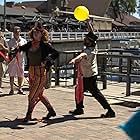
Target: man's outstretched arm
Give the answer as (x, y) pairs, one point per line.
(90, 27)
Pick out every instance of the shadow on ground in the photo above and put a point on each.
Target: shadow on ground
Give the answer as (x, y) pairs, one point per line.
(5, 94)
(25, 88)
(136, 93)
(65, 118)
(14, 124)
(19, 123)
(127, 104)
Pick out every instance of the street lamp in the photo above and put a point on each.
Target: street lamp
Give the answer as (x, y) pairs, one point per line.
(4, 16)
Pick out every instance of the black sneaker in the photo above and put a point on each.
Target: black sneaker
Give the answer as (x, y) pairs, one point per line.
(11, 92)
(110, 114)
(77, 111)
(51, 113)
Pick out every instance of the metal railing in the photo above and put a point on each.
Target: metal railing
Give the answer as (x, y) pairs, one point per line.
(124, 64)
(121, 63)
(63, 69)
(61, 36)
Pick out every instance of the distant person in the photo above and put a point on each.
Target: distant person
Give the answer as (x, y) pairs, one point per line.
(3, 53)
(87, 75)
(16, 66)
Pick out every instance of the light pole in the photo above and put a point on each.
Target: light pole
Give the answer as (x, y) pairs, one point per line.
(4, 16)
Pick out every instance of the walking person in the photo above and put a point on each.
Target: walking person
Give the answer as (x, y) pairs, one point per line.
(87, 75)
(3, 55)
(40, 57)
(16, 66)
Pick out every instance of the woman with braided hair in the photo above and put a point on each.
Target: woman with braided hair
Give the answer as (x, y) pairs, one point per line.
(40, 56)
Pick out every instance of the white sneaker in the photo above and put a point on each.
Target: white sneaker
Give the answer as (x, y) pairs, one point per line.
(20, 91)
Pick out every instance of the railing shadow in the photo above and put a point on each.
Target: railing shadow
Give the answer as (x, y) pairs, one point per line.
(5, 94)
(121, 98)
(129, 104)
(19, 123)
(136, 93)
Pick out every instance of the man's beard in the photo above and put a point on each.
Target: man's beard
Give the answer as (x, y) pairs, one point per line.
(89, 44)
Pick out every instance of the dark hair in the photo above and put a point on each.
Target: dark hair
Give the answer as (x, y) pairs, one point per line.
(45, 34)
(91, 36)
(39, 27)
(16, 28)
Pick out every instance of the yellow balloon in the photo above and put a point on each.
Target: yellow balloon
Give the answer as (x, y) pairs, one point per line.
(81, 13)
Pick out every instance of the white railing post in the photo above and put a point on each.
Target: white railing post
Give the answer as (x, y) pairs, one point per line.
(61, 36)
(51, 36)
(80, 35)
(76, 36)
(69, 36)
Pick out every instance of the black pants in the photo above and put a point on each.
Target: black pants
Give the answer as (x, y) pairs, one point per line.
(91, 86)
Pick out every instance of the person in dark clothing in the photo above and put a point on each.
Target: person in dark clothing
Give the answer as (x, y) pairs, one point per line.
(86, 62)
(40, 57)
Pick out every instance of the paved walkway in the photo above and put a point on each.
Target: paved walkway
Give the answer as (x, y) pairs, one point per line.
(88, 126)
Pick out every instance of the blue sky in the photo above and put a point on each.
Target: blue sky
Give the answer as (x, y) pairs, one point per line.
(136, 15)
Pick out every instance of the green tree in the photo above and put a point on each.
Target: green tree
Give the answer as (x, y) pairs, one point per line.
(120, 7)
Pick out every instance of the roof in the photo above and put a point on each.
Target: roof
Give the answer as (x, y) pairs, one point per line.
(18, 11)
(96, 7)
(101, 18)
(32, 3)
(11, 20)
(117, 23)
(129, 19)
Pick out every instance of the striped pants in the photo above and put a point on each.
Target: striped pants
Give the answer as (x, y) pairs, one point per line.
(37, 79)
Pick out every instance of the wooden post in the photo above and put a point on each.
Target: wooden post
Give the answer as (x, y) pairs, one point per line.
(128, 78)
(103, 76)
(120, 67)
(57, 72)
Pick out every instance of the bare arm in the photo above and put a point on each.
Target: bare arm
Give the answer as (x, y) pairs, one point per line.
(78, 58)
(90, 27)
